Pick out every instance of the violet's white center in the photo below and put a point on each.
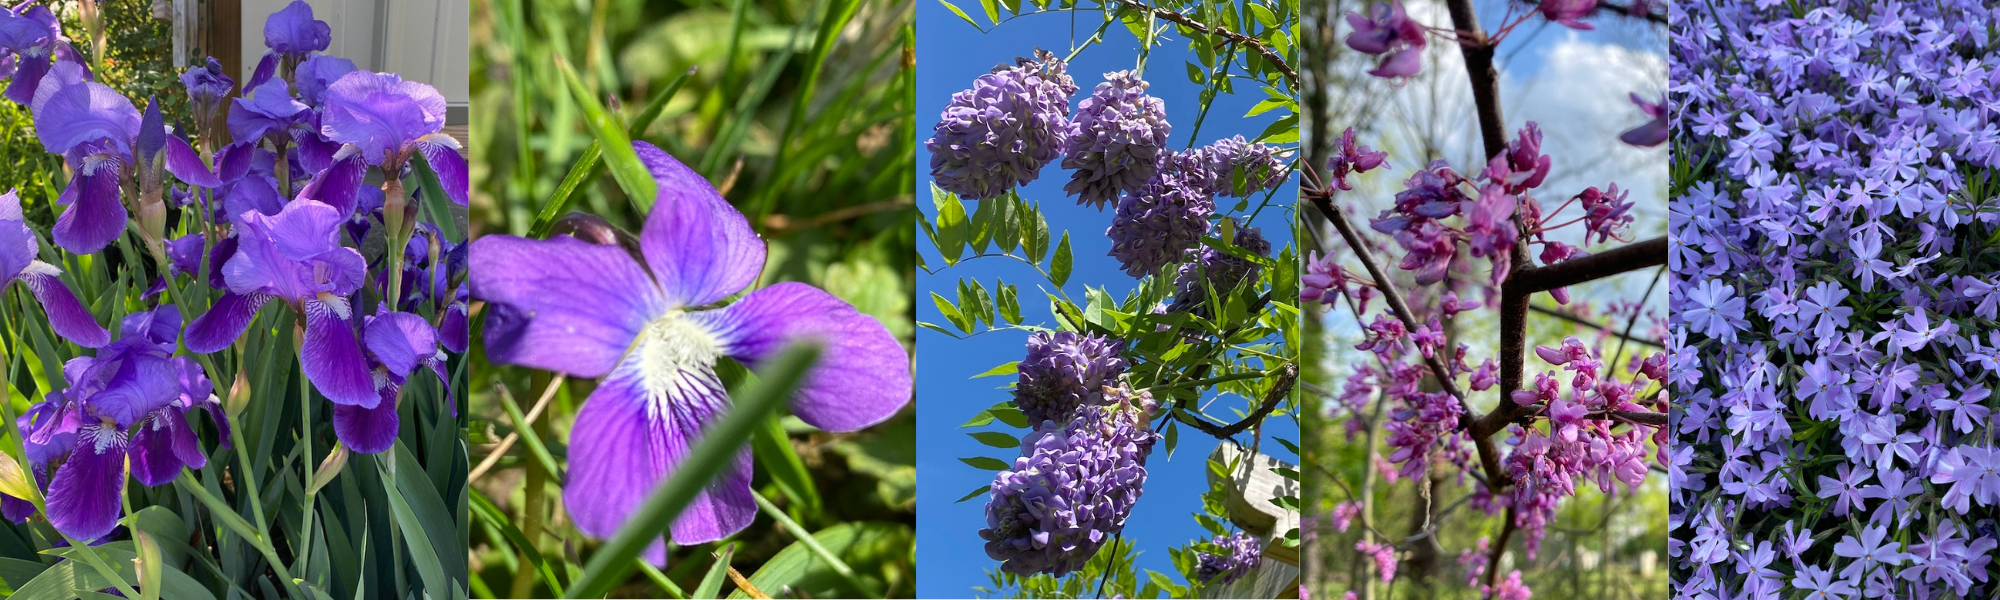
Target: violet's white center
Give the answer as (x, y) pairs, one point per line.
(675, 356)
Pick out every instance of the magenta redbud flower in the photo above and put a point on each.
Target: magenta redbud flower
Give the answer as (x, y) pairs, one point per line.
(1654, 132)
(1389, 32)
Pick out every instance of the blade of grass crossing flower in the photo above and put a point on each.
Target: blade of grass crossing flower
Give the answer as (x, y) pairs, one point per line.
(613, 142)
(589, 166)
(660, 579)
(489, 513)
(717, 448)
(805, 537)
(527, 431)
(711, 584)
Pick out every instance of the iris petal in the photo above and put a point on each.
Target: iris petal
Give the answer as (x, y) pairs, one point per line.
(332, 359)
(368, 430)
(560, 304)
(84, 496)
(94, 217)
(699, 247)
(625, 442)
(156, 453)
(863, 376)
(224, 322)
(67, 317)
(186, 165)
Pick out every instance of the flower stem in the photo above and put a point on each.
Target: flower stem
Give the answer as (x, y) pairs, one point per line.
(306, 460)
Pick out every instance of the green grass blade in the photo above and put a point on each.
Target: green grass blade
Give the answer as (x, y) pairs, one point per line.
(434, 199)
(613, 142)
(718, 447)
(429, 568)
(588, 166)
(806, 537)
(489, 512)
(711, 584)
(527, 431)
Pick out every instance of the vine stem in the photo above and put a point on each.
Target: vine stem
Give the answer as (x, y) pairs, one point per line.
(1176, 17)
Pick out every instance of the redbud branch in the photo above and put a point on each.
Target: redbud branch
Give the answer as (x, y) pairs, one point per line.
(1584, 322)
(1291, 76)
(1630, 257)
(1624, 10)
(1636, 417)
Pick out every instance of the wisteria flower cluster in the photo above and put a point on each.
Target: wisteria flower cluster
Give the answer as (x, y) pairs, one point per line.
(1242, 554)
(279, 215)
(1834, 341)
(1072, 487)
(998, 135)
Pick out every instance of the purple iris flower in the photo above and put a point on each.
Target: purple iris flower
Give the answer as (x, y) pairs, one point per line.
(264, 110)
(292, 34)
(207, 85)
(398, 344)
(317, 73)
(296, 257)
(589, 310)
(66, 316)
(33, 37)
(128, 402)
(385, 120)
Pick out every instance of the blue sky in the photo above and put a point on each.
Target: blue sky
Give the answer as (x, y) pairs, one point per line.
(950, 54)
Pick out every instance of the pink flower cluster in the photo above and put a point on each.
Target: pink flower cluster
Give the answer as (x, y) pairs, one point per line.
(1384, 556)
(1487, 204)
(1426, 418)
(1582, 440)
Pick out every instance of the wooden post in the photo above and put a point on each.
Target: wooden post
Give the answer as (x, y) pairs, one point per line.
(1253, 484)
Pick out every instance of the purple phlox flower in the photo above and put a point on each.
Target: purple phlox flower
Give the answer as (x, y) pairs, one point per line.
(1354, 159)
(1846, 491)
(1821, 584)
(1942, 555)
(266, 110)
(207, 85)
(398, 344)
(18, 250)
(32, 38)
(1116, 140)
(1870, 550)
(1868, 264)
(381, 120)
(1968, 407)
(295, 257)
(1895, 491)
(1975, 473)
(1756, 564)
(1388, 32)
(133, 381)
(1715, 310)
(1826, 388)
(1822, 311)
(1916, 331)
(1569, 13)
(1000, 133)
(1654, 132)
(590, 310)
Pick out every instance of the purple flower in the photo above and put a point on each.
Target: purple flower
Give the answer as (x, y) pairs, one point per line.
(1155, 226)
(266, 110)
(318, 73)
(1353, 159)
(999, 134)
(294, 33)
(1392, 34)
(590, 310)
(296, 257)
(1846, 491)
(1235, 168)
(1974, 473)
(1821, 584)
(1072, 487)
(1116, 141)
(398, 344)
(128, 401)
(1568, 13)
(1244, 553)
(1917, 332)
(207, 85)
(31, 38)
(18, 249)
(1063, 372)
(1716, 311)
(384, 120)
(1654, 132)
(1209, 268)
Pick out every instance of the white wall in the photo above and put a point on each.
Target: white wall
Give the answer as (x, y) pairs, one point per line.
(422, 40)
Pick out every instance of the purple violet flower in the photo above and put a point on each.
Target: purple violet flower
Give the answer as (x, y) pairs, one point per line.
(589, 310)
